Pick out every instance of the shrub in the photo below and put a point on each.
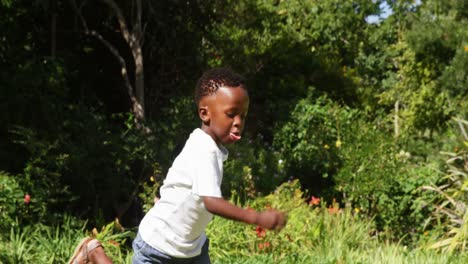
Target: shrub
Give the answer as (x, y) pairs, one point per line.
(253, 168)
(17, 207)
(100, 160)
(310, 140)
(382, 178)
(11, 201)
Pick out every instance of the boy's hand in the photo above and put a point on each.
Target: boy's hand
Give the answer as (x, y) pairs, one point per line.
(271, 219)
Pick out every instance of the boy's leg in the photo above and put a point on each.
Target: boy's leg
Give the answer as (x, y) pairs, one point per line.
(144, 253)
(98, 256)
(89, 250)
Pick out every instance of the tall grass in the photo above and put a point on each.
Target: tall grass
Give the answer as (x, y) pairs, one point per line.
(55, 244)
(314, 234)
(18, 247)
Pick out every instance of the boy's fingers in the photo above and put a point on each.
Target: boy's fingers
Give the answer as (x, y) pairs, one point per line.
(281, 221)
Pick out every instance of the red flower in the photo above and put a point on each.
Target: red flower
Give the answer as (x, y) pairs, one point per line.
(264, 245)
(27, 199)
(260, 231)
(314, 201)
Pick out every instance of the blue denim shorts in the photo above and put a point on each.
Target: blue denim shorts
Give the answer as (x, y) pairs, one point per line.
(144, 253)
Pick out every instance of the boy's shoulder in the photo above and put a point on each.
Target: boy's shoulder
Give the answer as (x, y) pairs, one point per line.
(201, 139)
(201, 143)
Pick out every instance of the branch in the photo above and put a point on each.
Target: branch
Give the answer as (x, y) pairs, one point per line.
(123, 64)
(111, 48)
(121, 19)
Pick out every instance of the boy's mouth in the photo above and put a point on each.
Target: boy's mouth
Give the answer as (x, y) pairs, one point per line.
(234, 136)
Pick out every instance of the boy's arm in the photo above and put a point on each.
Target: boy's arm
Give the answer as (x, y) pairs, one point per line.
(270, 219)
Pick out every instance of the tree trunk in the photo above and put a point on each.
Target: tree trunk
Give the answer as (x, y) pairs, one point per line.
(133, 38)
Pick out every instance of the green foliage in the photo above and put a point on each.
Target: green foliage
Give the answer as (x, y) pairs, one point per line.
(253, 168)
(18, 247)
(382, 178)
(423, 106)
(94, 157)
(68, 142)
(309, 141)
(41, 178)
(54, 244)
(116, 241)
(454, 79)
(452, 203)
(178, 119)
(308, 228)
(150, 192)
(12, 205)
(283, 47)
(314, 234)
(39, 243)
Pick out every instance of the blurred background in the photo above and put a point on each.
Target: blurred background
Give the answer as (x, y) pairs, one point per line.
(362, 102)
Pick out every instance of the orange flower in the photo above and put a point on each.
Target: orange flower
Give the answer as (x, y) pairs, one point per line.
(314, 200)
(260, 231)
(333, 210)
(264, 245)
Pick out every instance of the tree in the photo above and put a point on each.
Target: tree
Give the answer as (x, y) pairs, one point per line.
(286, 47)
(132, 33)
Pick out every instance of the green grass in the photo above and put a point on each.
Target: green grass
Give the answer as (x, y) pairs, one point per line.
(381, 255)
(55, 244)
(314, 234)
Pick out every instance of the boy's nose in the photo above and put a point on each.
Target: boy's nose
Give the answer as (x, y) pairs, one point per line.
(238, 121)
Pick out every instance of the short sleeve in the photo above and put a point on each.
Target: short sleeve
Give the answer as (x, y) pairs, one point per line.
(207, 175)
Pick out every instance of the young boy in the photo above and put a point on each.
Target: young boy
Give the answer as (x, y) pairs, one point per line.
(173, 231)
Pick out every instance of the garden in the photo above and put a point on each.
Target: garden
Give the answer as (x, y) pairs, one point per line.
(357, 126)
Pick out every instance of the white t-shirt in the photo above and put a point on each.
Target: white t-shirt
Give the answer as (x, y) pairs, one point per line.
(176, 224)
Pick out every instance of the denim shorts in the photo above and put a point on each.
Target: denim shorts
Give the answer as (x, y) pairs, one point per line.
(144, 253)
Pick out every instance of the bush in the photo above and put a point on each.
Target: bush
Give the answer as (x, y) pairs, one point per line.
(310, 140)
(12, 203)
(382, 179)
(253, 168)
(97, 159)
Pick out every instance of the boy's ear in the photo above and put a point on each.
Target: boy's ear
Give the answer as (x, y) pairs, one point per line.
(204, 114)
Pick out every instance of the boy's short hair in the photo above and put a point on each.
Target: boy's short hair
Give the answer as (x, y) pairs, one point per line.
(213, 79)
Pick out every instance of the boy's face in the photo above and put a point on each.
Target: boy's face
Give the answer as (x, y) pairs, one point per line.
(223, 114)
